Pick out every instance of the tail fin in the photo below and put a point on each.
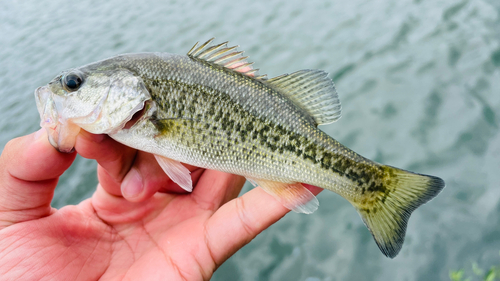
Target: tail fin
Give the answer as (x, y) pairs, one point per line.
(386, 211)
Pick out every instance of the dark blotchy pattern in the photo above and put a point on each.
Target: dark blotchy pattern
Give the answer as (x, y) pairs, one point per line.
(226, 129)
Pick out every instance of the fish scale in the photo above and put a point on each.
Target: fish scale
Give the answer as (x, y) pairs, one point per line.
(211, 109)
(168, 93)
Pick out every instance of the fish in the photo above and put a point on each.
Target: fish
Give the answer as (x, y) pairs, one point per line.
(212, 109)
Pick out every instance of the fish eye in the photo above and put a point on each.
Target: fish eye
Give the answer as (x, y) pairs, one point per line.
(72, 82)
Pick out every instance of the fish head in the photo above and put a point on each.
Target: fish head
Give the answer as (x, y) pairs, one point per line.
(99, 98)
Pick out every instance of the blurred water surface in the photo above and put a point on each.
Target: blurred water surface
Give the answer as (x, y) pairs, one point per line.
(420, 86)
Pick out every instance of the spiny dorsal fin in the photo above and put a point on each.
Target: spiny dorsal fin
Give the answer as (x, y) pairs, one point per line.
(225, 56)
(312, 91)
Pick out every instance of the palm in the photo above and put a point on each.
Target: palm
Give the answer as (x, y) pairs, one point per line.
(162, 234)
(167, 235)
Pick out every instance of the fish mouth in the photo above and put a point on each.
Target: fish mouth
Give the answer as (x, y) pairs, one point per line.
(62, 133)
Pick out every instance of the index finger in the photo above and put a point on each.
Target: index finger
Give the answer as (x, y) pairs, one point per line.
(122, 166)
(244, 217)
(114, 158)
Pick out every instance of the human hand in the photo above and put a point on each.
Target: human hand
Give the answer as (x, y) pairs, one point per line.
(138, 225)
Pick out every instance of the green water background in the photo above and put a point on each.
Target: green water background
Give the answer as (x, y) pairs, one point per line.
(419, 83)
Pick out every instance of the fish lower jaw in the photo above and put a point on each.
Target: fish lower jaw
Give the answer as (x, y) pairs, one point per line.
(63, 136)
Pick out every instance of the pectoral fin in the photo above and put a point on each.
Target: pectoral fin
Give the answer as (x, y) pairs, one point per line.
(176, 171)
(294, 196)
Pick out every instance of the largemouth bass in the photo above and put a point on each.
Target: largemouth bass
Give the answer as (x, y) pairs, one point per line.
(212, 110)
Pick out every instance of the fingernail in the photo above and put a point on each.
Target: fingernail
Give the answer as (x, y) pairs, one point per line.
(132, 184)
(39, 134)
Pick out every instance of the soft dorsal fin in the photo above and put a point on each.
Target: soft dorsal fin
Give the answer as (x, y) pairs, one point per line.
(312, 91)
(224, 56)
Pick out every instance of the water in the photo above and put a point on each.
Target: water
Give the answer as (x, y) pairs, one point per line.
(420, 86)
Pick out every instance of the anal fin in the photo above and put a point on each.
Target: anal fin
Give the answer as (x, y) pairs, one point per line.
(294, 196)
(176, 171)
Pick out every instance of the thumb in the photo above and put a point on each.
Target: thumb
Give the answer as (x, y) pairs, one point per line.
(29, 170)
